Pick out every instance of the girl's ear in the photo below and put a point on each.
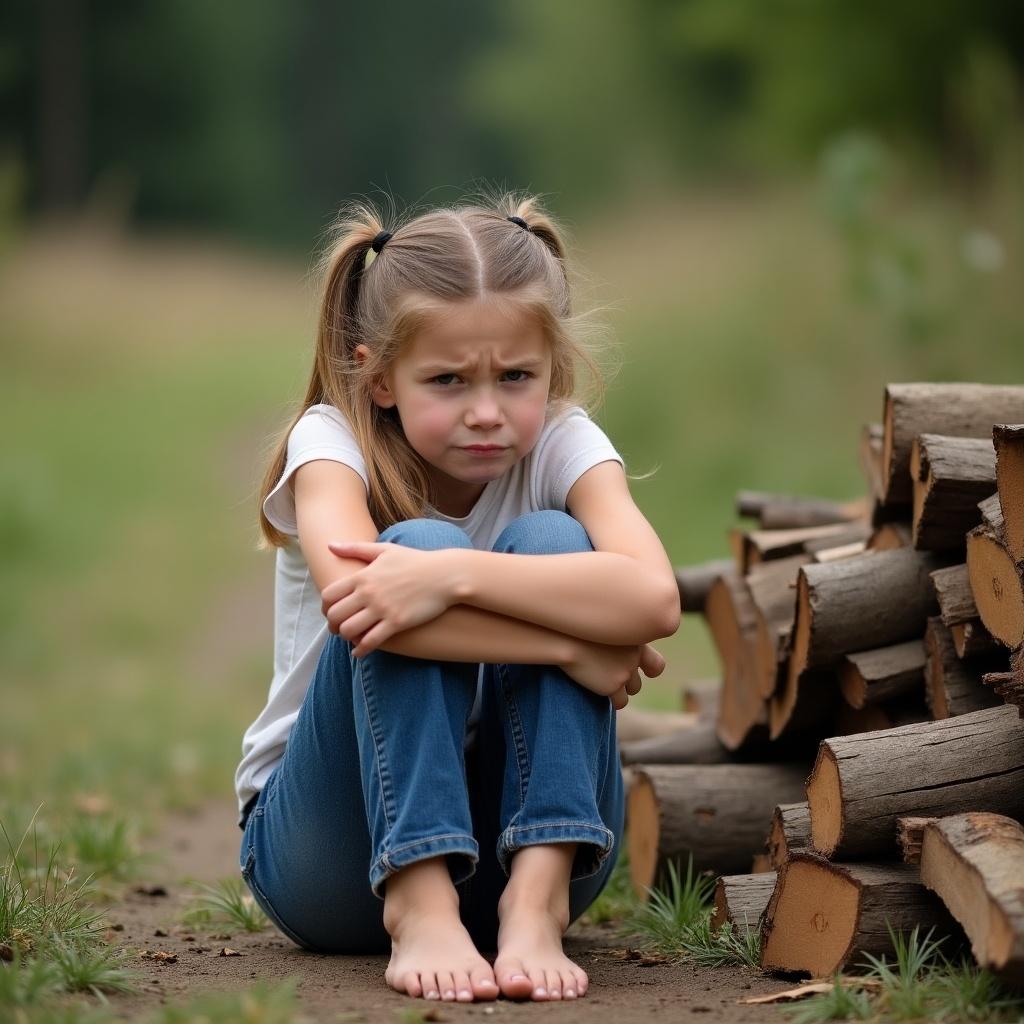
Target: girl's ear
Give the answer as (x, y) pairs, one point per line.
(381, 392)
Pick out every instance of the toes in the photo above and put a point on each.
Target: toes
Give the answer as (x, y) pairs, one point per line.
(568, 985)
(429, 983)
(513, 979)
(463, 987)
(582, 981)
(483, 984)
(411, 984)
(554, 984)
(540, 984)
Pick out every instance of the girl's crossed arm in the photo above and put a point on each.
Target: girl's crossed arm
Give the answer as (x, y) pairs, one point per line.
(624, 592)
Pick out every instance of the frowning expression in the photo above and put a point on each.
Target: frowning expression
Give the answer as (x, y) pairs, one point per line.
(471, 392)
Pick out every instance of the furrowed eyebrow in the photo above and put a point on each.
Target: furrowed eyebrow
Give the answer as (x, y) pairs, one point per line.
(451, 368)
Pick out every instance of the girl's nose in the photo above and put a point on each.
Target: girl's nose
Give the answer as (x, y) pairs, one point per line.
(484, 412)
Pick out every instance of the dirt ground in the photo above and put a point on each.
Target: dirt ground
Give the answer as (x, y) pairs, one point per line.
(204, 847)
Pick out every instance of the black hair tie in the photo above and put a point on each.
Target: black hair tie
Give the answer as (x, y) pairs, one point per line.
(519, 220)
(378, 243)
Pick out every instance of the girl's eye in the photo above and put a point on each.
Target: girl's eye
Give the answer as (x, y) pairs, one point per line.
(525, 376)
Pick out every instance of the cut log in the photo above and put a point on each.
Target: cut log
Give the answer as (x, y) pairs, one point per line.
(822, 917)
(716, 812)
(732, 621)
(790, 831)
(951, 475)
(874, 677)
(972, 639)
(694, 582)
(975, 862)
(953, 590)
(996, 585)
(740, 900)
(991, 512)
(772, 588)
(1009, 444)
(909, 834)
(861, 784)
(956, 410)
(954, 686)
(633, 724)
(789, 511)
(861, 603)
(904, 710)
(699, 744)
(752, 547)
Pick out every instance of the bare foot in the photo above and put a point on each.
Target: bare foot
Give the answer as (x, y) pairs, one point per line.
(432, 954)
(530, 962)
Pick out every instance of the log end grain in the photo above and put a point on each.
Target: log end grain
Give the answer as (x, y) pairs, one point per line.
(996, 585)
(644, 830)
(825, 802)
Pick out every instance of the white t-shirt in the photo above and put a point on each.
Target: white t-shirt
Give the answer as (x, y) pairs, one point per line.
(569, 444)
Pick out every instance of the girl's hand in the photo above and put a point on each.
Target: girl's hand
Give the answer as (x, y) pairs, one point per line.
(612, 670)
(400, 587)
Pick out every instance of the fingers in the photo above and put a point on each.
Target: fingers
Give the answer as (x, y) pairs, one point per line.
(620, 698)
(651, 662)
(373, 639)
(634, 683)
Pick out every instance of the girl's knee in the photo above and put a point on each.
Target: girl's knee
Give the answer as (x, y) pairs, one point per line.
(426, 534)
(546, 531)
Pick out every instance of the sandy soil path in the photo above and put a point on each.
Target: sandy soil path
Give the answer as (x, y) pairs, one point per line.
(203, 846)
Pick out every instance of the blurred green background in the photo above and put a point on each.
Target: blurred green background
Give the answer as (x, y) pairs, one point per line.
(781, 205)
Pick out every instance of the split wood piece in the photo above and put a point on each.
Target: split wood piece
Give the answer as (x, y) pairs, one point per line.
(694, 582)
(751, 547)
(740, 900)
(861, 784)
(717, 812)
(953, 590)
(873, 677)
(972, 639)
(886, 536)
(909, 833)
(1008, 686)
(790, 831)
(732, 620)
(772, 588)
(975, 862)
(905, 710)
(950, 476)
(823, 916)
(953, 686)
(991, 512)
(996, 585)
(861, 603)
(870, 454)
(632, 724)
(1009, 444)
(956, 410)
(788, 511)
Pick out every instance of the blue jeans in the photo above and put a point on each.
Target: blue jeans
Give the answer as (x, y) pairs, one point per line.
(375, 776)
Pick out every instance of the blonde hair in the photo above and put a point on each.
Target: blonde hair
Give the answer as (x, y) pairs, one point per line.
(451, 254)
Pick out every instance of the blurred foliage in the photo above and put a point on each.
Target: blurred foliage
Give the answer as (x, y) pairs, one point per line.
(257, 122)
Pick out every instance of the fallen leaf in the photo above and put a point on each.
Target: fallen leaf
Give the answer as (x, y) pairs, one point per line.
(221, 937)
(642, 957)
(229, 952)
(810, 989)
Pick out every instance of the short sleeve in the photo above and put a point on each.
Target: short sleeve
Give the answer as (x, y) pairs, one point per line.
(323, 432)
(569, 446)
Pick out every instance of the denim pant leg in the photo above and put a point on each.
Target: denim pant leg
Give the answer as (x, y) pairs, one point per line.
(373, 778)
(547, 767)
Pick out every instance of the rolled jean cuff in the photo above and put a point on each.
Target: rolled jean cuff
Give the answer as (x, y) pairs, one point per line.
(595, 844)
(461, 866)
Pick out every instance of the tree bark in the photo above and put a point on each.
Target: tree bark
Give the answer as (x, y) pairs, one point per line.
(740, 900)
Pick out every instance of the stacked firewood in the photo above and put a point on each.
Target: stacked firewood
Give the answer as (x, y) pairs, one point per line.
(862, 764)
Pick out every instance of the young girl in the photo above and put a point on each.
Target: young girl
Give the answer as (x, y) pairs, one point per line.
(465, 594)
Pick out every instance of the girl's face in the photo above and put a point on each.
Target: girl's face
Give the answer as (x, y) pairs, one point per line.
(475, 378)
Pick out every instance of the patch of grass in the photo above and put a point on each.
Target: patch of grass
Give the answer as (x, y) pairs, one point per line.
(106, 845)
(89, 967)
(920, 985)
(25, 983)
(228, 902)
(676, 919)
